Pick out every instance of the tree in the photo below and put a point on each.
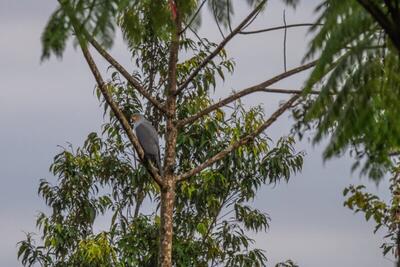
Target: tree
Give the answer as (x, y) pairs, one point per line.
(385, 215)
(387, 15)
(358, 76)
(211, 209)
(214, 159)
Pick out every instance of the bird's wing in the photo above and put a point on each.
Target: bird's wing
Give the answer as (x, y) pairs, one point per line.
(148, 138)
(150, 127)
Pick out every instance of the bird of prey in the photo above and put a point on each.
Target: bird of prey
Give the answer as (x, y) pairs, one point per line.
(148, 139)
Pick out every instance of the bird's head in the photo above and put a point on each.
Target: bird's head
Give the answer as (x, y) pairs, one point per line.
(136, 117)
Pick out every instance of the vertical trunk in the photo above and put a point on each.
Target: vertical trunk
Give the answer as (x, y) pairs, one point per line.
(166, 228)
(168, 188)
(168, 194)
(398, 246)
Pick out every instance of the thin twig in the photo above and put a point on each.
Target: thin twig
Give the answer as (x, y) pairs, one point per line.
(281, 27)
(218, 49)
(194, 17)
(252, 20)
(228, 8)
(216, 20)
(197, 36)
(284, 40)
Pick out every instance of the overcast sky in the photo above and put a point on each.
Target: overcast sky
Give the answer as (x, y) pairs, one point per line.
(46, 105)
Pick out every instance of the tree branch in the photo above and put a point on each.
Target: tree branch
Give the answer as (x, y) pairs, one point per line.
(218, 49)
(383, 21)
(391, 8)
(108, 98)
(256, 88)
(242, 141)
(120, 116)
(281, 27)
(284, 41)
(125, 74)
(79, 28)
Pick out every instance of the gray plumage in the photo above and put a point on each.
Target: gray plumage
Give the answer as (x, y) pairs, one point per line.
(148, 139)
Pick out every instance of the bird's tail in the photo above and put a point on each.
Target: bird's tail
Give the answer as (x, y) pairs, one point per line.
(156, 160)
(159, 166)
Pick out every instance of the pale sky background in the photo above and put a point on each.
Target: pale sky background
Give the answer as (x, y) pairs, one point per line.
(49, 104)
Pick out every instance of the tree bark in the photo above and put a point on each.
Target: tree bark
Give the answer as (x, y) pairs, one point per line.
(398, 246)
(168, 190)
(166, 228)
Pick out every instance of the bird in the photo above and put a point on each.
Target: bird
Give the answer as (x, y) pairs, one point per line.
(148, 139)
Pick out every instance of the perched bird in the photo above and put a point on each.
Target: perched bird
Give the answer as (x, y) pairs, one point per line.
(148, 139)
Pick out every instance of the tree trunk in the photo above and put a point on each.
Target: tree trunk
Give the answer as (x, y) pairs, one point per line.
(398, 246)
(169, 179)
(166, 228)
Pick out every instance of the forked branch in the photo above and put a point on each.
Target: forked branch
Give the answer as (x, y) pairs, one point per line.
(218, 49)
(262, 87)
(242, 141)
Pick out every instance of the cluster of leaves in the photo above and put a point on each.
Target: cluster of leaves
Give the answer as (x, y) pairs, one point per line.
(96, 16)
(358, 77)
(288, 263)
(139, 20)
(223, 10)
(206, 78)
(386, 215)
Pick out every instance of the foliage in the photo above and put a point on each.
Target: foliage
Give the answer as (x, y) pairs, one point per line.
(137, 18)
(97, 17)
(211, 214)
(103, 180)
(386, 215)
(288, 263)
(358, 77)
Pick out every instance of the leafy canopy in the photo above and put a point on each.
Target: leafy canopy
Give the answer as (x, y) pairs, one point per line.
(103, 180)
(137, 18)
(358, 74)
